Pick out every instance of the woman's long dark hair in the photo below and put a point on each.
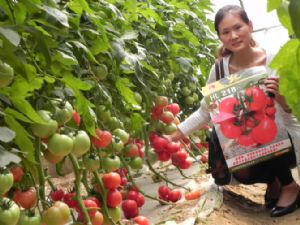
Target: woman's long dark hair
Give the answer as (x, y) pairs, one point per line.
(222, 12)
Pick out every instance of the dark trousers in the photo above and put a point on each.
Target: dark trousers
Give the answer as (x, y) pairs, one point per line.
(265, 172)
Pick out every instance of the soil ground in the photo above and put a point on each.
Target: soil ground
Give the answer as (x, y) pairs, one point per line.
(243, 205)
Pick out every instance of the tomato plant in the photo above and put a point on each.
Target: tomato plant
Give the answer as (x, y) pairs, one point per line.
(102, 138)
(111, 180)
(141, 220)
(46, 129)
(114, 198)
(130, 208)
(111, 163)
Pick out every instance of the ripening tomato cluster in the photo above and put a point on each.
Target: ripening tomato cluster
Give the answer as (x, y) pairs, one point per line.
(166, 150)
(165, 115)
(167, 194)
(248, 119)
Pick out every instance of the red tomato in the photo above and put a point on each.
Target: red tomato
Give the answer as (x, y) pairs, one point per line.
(56, 195)
(69, 199)
(174, 195)
(255, 98)
(174, 108)
(164, 156)
(102, 139)
(91, 207)
(26, 199)
(265, 132)
(167, 117)
(76, 118)
(229, 130)
(246, 141)
(17, 172)
(163, 191)
(173, 147)
(111, 180)
(270, 111)
(159, 143)
(156, 111)
(141, 220)
(130, 208)
(229, 105)
(114, 198)
(185, 164)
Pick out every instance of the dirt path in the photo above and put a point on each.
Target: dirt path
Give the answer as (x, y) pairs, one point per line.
(243, 205)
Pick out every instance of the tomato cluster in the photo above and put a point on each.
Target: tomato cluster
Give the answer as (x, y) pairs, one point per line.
(249, 119)
(167, 194)
(166, 150)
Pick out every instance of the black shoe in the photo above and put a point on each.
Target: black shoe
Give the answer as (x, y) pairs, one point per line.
(270, 203)
(278, 211)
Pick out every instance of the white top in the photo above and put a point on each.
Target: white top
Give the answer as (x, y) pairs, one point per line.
(201, 117)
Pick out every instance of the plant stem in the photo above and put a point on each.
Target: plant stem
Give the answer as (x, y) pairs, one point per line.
(77, 172)
(42, 180)
(11, 11)
(140, 190)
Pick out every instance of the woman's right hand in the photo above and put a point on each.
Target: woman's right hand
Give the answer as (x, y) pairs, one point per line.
(176, 136)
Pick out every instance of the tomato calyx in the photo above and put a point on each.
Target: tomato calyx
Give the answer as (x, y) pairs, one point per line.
(6, 203)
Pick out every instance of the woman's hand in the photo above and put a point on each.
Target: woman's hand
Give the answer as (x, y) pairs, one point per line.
(272, 86)
(177, 135)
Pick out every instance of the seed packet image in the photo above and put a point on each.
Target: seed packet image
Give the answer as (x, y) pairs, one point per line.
(246, 119)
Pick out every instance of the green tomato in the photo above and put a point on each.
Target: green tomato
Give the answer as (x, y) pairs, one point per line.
(101, 71)
(9, 213)
(138, 97)
(6, 182)
(60, 144)
(6, 74)
(81, 143)
(136, 163)
(91, 162)
(122, 134)
(111, 163)
(58, 214)
(114, 213)
(185, 91)
(29, 220)
(170, 128)
(63, 113)
(193, 86)
(116, 144)
(47, 129)
(195, 97)
(114, 123)
(189, 100)
(103, 114)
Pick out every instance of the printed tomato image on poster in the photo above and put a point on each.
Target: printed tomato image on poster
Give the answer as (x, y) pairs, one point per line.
(246, 118)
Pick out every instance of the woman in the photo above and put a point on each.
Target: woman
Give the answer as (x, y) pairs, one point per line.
(239, 52)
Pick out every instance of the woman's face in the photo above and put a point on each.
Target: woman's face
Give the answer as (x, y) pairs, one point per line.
(234, 33)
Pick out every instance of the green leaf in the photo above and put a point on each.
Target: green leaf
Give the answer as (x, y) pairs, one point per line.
(65, 58)
(12, 36)
(284, 18)
(150, 13)
(22, 137)
(17, 115)
(294, 10)
(20, 12)
(75, 83)
(123, 86)
(25, 107)
(7, 157)
(6, 134)
(56, 14)
(273, 4)
(287, 62)
(137, 122)
(79, 45)
(78, 6)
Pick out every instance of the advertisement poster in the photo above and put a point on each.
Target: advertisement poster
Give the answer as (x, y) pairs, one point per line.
(245, 118)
